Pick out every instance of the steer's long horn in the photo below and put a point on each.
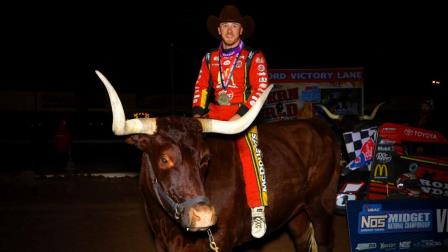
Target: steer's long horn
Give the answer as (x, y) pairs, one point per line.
(121, 126)
(371, 116)
(329, 114)
(236, 126)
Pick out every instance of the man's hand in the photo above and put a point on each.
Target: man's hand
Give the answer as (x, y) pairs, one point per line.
(200, 116)
(235, 117)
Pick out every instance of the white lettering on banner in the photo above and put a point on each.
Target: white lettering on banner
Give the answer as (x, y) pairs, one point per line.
(406, 217)
(435, 191)
(434, 187)
(312, 76)
(417, 225)
(405, 244)
(366, 246)
(442, 220)
(436, 184)
(277, 76)
(397, 222)
(391, 226)
(388, 246)
(349, 75)
(420, 220)
(425, 182)
(373, 221)
(427, 135)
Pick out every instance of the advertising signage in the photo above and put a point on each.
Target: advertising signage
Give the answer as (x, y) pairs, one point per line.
(398, 225)
(296, 90)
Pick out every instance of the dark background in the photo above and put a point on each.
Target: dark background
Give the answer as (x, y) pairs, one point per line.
(158, 48)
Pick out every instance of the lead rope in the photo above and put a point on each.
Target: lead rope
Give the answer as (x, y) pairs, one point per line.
(212, 241)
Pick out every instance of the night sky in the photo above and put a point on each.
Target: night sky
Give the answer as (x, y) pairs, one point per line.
(157, 49)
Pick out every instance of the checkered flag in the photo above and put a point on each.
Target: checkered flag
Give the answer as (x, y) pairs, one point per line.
(360, 146)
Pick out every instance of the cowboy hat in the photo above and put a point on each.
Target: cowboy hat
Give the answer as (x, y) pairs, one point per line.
(230, 13)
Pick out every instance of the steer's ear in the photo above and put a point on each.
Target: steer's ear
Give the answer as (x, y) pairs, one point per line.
(140, 141)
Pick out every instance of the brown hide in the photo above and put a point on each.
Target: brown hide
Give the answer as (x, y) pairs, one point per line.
(301, 161)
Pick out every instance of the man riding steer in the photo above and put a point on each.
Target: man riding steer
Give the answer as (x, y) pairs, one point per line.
(191, 179)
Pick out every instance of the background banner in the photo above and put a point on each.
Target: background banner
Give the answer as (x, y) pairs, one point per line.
(398, 225)
(296, 90)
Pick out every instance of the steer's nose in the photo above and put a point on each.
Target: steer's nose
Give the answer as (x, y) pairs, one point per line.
(201, 216)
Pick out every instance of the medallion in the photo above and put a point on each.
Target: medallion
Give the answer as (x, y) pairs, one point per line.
(223, 99)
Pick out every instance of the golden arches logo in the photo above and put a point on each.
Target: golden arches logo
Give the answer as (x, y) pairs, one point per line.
(380, 171)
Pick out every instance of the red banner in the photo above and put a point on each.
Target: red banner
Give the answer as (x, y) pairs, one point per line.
(399, 133)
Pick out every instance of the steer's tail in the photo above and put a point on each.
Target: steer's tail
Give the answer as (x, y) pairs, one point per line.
(312, 244)
(302, 233)
(321, 206)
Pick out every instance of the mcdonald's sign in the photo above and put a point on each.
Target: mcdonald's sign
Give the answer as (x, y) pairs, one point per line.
(380, 171)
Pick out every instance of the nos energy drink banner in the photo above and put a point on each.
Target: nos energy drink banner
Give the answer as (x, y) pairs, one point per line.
(398, 225)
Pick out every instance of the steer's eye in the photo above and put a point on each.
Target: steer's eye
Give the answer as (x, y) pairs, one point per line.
(165, 162)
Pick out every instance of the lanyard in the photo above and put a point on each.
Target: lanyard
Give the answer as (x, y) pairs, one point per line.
(226, 83)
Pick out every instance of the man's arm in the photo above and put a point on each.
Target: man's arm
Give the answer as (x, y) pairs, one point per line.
(258, 79)
(201, 90)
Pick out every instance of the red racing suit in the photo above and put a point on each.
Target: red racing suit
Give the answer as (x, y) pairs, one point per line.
(248, 79)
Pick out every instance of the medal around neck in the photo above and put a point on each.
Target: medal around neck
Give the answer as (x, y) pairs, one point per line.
(223, 99)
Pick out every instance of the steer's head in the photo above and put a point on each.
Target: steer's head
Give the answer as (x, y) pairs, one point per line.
(176, 157)
(174, 165)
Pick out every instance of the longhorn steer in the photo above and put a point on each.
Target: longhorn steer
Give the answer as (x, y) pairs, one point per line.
(192, 181)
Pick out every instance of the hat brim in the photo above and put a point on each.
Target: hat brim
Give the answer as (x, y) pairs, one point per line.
(247, 22)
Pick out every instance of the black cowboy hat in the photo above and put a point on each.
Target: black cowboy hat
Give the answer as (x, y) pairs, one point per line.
(230, 13)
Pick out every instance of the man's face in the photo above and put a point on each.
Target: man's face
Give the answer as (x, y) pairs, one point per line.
(230, 33)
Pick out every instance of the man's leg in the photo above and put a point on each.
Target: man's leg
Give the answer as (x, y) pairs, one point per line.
(255, 179)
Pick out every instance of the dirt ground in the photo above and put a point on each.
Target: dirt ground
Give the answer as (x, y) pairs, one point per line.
(90, 214)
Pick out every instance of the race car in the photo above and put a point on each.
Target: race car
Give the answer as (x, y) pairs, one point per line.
(393, 161)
